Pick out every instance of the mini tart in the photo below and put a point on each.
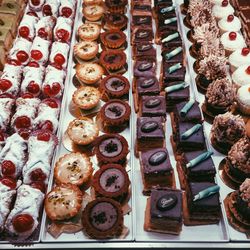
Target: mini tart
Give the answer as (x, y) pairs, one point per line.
(92, 2)
(115, 6)
(113, 39)
(86, 50)
(93, 12)
(73, 168)
(111, 181)
(89, 31)
(115, 21)
(114, 86)
(111, 148)
(82, 131)
(115, 112)
(89, 73)
(113, 60)
(63, 202)
(103, 219)
(86, 97)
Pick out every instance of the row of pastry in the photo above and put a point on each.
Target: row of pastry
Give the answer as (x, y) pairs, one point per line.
(229, 133)
(100, 99)
(30, 116)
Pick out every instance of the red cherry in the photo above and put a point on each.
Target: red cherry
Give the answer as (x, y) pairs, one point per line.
(59, 59)
(38, 175)
(27, 96)
(245, 51)
(47, 125)
(7, 95)
(47, 10)
(66, 11)
(42, 33)
(248, 70)
(36, 54)
(9, 182)
(39, 185)
(33, 87)
(8, 168)
(230, 18)
(22, 122)
(13, 62)
(51, 103)
(43, 137)
(224, 3)
(32, 13)
(232, 36)
(33, 64)
(24, 31)
(52, 91)
(63, 35)
(57, 66)
(35, 2)
(23, 223)
(22, 56)
(24, 133)
(5, 84)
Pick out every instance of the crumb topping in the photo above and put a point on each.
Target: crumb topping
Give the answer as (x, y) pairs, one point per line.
(228, 128)
(245, 191)
(239, 155)
(220, 92)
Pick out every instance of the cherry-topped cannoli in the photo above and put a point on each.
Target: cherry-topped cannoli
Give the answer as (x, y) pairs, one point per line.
(44, 27)
(48, 112)
(27, 27)
(40, 50)
(10, 80)
(26, 109)
(21, 50)
(3, 137)
(23, 218)
(59, 54)
(7, 102)
(13, 156)
(67, 8)
(63, 29)
(8, 188)
(37, 168)
(51, 7)
(36, 5)
(33, 79)
(53, 84)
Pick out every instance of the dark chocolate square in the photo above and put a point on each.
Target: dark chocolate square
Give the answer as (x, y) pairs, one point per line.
(142, 35)
(208, 204)
(177, 58)
(204, 167)
(163, 13)
(142, 21)
(245, 15)
(147, 86)
(153, 125)
(177, 96)
(176, 41)
(149, 161)
(142, 7)
(193, 115)
(144, 50)
(178, 75)
(196, 140)
(174, 213)
(242, 4)
(165, 2)
(144, 68)
(162, 26)
(152, 106)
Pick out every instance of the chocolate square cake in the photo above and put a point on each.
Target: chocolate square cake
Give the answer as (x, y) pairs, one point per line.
(170, 38)
(150, 133)
(166, 23)
(144, 68)
(173, 54)
(173, 71)
(142, 21)
(156, 169)
(147, 86)
(141, 9)
(164, 211)
(166, 11)
(142, 35)
(143, 51)
(201, 211)
(152, 106)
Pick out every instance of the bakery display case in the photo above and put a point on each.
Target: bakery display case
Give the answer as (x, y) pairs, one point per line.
(124, 123)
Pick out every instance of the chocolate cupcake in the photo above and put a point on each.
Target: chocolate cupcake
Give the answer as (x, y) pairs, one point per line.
(115, 21)
(113, 39)
(102, 219)
(111, 148)
(210, 69)
(227, 129)
(116, 6)
(111, 181)
(113, 60)
(114, 86)
(238, 160)
(218, 99)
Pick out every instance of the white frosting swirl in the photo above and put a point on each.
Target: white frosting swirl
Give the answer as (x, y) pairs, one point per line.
(232, 45)
(240, 75)
(236, 59)
(243, 95)
(220, 11)
(234, 25)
